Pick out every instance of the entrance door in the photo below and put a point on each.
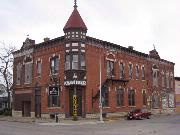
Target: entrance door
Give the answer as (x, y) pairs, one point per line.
(79, 102)
(38, 102)
(26, 108)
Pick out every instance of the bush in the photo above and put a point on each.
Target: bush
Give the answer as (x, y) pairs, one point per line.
(6, 112)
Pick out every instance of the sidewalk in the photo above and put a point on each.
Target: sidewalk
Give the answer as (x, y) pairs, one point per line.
(52, 122)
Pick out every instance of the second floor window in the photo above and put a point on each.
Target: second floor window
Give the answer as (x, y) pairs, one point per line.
(67, 62)
(39, 66)
(110, 68)
(130, 71)
(172, 83)
(163, 80)
(18, 73)
(137, 72)
(143, 73)
(167, 80)
(28, 73)
(75, 62)
(54, 65)
(83, 64)
(122, 71)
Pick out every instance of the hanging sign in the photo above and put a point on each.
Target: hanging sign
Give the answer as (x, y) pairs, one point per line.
(75, 82)
(53, 90)
(74, 105)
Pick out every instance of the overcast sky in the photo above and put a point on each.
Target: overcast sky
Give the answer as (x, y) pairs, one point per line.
(138, 23)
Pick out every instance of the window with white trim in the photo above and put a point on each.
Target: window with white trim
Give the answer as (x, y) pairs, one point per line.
(120, 97)
(131, 97)
(54, 65)
(67, 62)
(130, 71)
(143, 73)
(110, 68)
(75, 61)
(137, 72)
(122, 71)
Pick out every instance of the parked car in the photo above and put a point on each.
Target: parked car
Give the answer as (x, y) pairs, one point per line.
(139, 114)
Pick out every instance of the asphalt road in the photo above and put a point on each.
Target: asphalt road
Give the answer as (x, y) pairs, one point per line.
(163, 125)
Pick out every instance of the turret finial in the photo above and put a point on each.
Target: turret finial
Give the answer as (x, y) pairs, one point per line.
(75, 4)
(154, 47)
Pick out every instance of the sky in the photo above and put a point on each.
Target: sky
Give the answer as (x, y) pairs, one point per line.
(137, 23)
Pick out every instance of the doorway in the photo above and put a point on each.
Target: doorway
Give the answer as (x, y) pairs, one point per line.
(79, 102)
(26, 108)
(38, 102)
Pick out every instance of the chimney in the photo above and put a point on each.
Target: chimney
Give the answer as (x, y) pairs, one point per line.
(130, 47)
(46, 39)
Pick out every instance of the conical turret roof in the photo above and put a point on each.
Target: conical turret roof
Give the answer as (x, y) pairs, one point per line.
(75, 21)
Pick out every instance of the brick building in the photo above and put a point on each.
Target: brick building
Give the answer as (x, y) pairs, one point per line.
(48, 75)
(177, 93)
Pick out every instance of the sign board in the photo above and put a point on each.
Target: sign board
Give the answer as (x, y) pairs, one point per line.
(53, 90)
(74, 105)
(75, 82)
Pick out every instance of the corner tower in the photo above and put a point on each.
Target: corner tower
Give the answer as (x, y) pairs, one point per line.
(75, 64)
(75, 27)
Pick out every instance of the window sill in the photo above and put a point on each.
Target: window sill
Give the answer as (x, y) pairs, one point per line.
(120, 106)
(54, 74)
(131, 106)
(54, 107)
(27, 83)
(143, 80)
(106, 107)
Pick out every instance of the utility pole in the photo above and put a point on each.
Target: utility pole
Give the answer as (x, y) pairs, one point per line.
(100, 93)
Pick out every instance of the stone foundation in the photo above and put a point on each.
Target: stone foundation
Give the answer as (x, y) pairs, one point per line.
(32, 114)
(16, 113)
(47, 115)
(92, 115)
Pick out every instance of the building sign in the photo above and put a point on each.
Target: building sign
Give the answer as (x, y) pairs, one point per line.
(74, 105)
(53, 90)
(75, 82)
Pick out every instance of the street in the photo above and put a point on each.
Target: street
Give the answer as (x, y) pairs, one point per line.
(157, 125)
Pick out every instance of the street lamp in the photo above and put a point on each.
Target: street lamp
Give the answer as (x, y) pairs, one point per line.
(100, 93)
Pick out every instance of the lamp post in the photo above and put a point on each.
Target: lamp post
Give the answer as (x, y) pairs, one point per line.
(100, 93)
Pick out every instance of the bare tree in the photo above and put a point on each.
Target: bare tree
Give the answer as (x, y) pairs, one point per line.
(6, 68)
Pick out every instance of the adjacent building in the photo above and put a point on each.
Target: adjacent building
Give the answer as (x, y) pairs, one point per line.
(3, 98)
(48, 75)
(177, 92)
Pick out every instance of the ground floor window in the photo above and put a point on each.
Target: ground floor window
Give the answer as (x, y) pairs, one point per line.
(53, 97)
(155, 101)
(144, 97)
(164, 100)
(120, 97)
(171, 100)
(131, 97)
(53, 101)
(105, 97)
